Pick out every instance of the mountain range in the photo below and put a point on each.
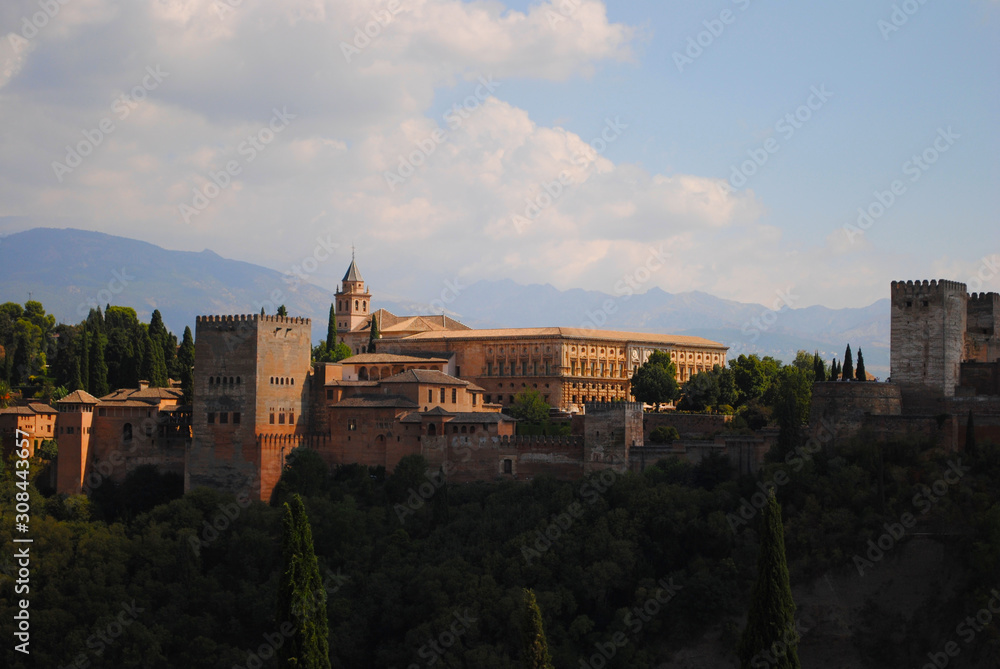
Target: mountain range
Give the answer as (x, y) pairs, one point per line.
(70, 270)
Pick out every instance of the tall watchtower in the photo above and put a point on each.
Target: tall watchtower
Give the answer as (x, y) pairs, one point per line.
(928, 334)
(251, 380)
(352, 300)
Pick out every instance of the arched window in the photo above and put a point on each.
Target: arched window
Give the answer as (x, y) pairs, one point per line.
(230, 380)
(237, 380)
(211, 381)
(127, 432)
(431, 430)
(355, 304)
(293, 381)
(364, 305)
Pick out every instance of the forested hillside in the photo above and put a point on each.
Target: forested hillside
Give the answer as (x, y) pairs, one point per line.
(418, 575)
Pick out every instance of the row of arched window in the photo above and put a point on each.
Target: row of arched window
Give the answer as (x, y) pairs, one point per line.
(343, 305)
(223, 380)
(282, 381)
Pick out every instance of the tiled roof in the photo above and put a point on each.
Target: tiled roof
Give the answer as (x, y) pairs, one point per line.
(149, 395)
(568, 333)
(79, 397)
(38, 407)
(425, 376)
(387, 358)
(353, 273)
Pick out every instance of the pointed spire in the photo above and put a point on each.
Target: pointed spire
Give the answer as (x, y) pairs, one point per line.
(353, 274)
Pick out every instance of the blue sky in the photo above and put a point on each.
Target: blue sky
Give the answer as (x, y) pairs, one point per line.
(679, 132)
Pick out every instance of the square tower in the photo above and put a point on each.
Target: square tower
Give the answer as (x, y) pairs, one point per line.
(928, 334)
(251, 381)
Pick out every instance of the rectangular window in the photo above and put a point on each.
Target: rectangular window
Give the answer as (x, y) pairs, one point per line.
(211, 417)
(489, 369)
(442, 396)
(458, 371)
(272, 419)
(524, 369)
(352, 425)
(329, 393)
(430, 395)
(508, 466)
(454, 395)
(488, 399)
(281, 418)
(291, 418)
(473, 399)
(69, 430)
(224, 417)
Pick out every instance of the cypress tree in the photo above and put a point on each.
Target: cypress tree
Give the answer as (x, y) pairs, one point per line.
(536, 652)
(860, 373)
(373, 334)
(771, 620)
(848, 367)
(282, 311)
(83, 354)
(185, 360)
(153, 368)
(76, 383)
(819, 369)
(301, 595)
(98, 367)
(262, 311)
(331, 331)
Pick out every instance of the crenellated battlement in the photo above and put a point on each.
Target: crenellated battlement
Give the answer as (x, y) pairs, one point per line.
(251, 318)
(984, 298)
(603, 407)
(925, 287)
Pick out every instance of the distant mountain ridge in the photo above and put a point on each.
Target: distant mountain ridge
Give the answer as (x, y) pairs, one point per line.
(69, 270)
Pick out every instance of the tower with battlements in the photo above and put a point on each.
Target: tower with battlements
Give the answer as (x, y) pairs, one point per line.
(251, 400)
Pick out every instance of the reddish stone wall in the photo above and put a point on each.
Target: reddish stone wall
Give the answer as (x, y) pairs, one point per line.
(688, 425)
(844, 405)
(481, 458)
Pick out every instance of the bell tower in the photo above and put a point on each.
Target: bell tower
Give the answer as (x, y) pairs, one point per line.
(352, 300)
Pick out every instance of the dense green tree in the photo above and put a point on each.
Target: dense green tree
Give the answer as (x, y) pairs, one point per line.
(754, 377)
(655, 381)
(805, 361)
(663, 434)
(819, 369)
(331, 329)
(29, 351)
(282, 311)
(859, 372)
(83, 355)
(153, 370)
(98, 367)
(373, 334)
(791, 408)
(848, 368)
(301, 594)
(166, 341)
(125, 347)
(536, 650)
(529, 406)
(185, 361)
(771, 619)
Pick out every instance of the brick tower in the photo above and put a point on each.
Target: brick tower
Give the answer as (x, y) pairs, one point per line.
(353, 301)
(251, 400)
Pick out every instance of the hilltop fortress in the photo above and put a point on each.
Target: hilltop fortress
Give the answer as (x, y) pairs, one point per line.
(438, 388)
(944, 371)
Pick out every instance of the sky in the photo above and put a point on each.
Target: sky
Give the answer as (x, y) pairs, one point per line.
(761, 149)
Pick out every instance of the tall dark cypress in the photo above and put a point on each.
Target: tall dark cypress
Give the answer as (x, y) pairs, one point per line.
(185, 360)
(331, 330)
(98, 367)
(373, 335)
(860, 373)
(771, 621)
(83, 354)
(536, 652)
(301, 595)
(848, 368)
(819, 369)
